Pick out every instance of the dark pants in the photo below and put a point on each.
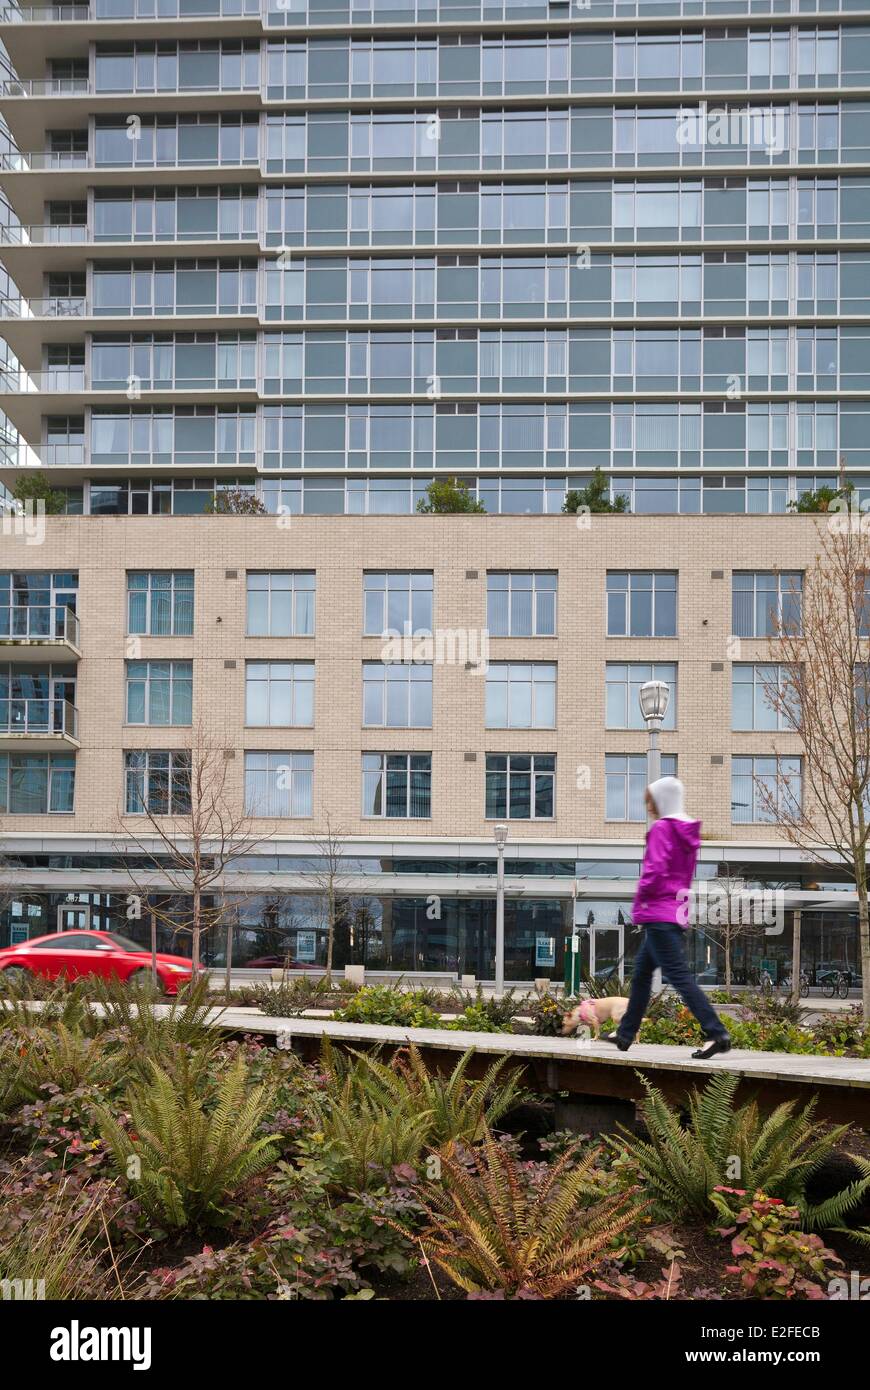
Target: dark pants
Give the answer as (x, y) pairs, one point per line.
(663, 949)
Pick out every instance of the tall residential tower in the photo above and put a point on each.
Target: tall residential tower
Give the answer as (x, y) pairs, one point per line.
(293, 264)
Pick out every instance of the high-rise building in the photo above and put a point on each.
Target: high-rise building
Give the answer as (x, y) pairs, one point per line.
(303, 262)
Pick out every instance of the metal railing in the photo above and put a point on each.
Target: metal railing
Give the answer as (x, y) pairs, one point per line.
(45, 87)
(46, 235)
(37, 161)
(35, 716)
(44, 14)
(56, 306)
(55, 622)
(55, 379)
(135, 9)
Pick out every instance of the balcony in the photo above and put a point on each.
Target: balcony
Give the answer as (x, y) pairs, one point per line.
(143, 10)
(46, 14)
(45, 235)
(51, 307)
(36, 725)
(56, 380)
(46, 87)
(39, 626)
(41, 161)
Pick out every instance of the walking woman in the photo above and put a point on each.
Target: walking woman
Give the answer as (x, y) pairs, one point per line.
(661, 906)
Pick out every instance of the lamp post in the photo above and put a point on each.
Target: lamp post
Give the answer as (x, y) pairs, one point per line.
(654, 697)
(500, 834)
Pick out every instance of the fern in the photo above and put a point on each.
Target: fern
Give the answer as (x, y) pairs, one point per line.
(489, 1229)
(380, 1114)
(189, 1155)
(777, 1154)
(67, 1059)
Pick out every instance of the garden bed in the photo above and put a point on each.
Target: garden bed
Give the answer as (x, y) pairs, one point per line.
(144, 1155)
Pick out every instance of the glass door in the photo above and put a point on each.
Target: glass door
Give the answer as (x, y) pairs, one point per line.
(73, 917)
(606, 951)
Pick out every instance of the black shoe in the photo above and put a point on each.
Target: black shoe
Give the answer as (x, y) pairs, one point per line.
(713, 1048)
(616, 1040)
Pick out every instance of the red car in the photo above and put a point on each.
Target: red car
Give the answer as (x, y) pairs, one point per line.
(105, 953)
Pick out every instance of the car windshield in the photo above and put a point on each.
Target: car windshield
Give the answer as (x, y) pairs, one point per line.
(123, 942)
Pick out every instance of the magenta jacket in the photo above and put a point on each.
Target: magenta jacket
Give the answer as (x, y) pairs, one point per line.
(668, 868)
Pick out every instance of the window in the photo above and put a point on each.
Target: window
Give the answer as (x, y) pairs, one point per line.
(279, 692)
(70, 941)
(157, 782)
(159, 692)
(33, 784)
(397, 785)
(622, 685)
(397, 694)
(756, 691)
(521, 695)
(281, 605)
(763, 789)
(625, 776)
(521, 604)
(397, 603)
(278, 784)
(764, 603)
(520, 786)
(641, 603)
(160, 603)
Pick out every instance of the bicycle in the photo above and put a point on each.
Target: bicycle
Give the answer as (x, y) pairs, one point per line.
(836, 985)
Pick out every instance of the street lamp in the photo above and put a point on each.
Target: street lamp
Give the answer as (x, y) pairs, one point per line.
(654, 697)
(500, 834)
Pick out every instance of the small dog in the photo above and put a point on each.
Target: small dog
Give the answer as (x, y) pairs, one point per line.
(594, 1012)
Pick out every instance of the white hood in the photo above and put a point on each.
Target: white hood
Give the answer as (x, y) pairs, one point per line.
(668, 794)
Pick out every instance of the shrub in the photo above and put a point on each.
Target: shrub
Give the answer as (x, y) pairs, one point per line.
(449, 495)
(187, 1156)
(548, 1013)
(774, 1258)
(34, 487)
(62, 1129)
(492, 1229)
(671, 1024)
(777, 1153)
(381, 1004)
(477, 1019)
(497, 1012)
(595, 496)
(839, 1032)
(292, 996)
(770, 1010)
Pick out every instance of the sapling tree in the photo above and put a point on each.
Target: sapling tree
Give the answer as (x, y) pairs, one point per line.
(817, 684)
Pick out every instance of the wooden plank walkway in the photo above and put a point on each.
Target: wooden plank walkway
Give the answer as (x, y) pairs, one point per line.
(595, 1068)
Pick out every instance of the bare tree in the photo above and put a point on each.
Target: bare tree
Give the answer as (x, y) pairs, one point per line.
(203, 834)
(822, 692)
(329, 873)
(728, 914)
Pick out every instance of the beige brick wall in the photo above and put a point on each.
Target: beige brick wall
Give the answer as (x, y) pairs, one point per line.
(340, 549)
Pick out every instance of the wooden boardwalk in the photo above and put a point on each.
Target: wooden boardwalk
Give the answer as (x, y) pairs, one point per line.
(594, 1068)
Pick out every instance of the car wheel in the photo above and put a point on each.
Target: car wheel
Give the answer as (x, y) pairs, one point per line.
(138, 980)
